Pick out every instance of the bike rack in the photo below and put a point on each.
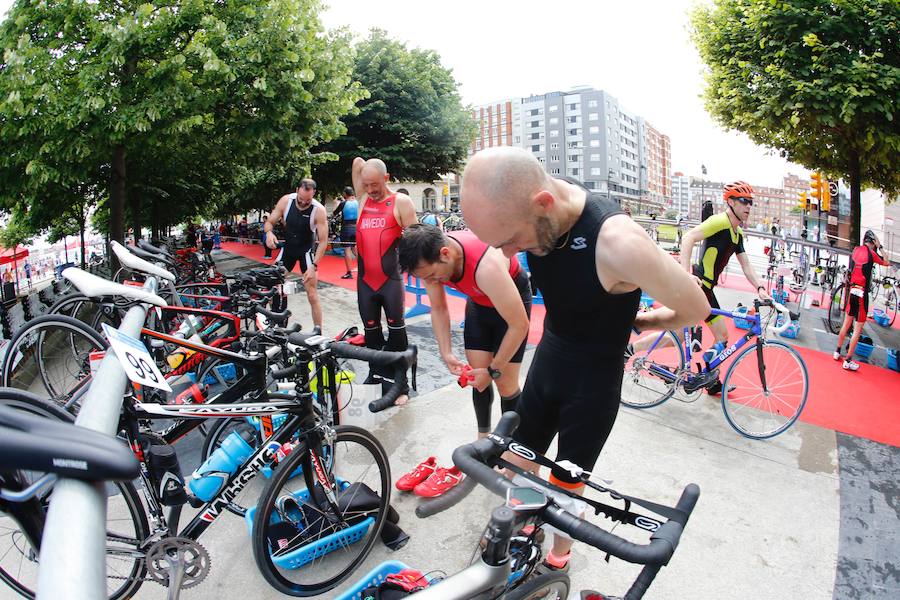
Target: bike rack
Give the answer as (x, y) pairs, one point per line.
(73, 548)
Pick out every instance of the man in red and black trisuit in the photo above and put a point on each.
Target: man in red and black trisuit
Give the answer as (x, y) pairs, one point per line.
(859, 280)
(497, 309)
(382, 217)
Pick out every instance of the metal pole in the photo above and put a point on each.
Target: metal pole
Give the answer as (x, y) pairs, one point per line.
(73, 548)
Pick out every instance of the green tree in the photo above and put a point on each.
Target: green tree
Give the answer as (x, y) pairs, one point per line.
(817, 81)
(413, 118)
(180, 93)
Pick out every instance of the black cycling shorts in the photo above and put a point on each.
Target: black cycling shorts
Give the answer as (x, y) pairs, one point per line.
(389, 298)
(292, 255)
(485, 328)
(710, 297)
(348, 233)
(572, 389)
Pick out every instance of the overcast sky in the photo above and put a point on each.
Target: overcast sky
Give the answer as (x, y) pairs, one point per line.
(638, 51)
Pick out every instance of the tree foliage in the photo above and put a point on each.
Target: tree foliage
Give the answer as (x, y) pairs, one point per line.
(164, 104)
(413, 118)
(818, 81)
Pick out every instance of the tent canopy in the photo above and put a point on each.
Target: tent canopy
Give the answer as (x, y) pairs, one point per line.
(9, 255)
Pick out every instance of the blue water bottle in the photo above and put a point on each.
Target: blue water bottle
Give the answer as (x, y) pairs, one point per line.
(209, 479)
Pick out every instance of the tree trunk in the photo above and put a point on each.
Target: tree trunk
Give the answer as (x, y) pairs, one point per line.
(855, 200)
(117, 201)
(134, 202)
(81, 227)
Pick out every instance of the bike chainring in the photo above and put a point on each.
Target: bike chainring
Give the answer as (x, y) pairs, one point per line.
(170, 552)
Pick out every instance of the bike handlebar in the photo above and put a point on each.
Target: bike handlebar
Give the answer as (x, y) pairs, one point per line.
(780, 308)
(474, 459)
(398, 361)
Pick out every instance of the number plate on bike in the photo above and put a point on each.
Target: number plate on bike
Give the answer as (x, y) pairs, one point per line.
(135, 360)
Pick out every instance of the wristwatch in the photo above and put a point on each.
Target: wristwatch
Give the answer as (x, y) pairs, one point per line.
(494, 373)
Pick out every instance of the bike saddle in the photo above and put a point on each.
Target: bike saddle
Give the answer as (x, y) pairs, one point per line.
(346, 334)
(147, 246)
(29, 442)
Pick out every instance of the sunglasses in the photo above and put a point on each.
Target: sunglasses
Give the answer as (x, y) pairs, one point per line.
(745, 201)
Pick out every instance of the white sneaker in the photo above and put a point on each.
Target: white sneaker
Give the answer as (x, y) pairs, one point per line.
(837, 355)
(849, 365)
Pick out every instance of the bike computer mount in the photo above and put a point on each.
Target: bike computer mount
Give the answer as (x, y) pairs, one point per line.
(525, 499)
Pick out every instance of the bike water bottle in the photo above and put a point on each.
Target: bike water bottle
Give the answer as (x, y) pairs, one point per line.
(165, 472)
(209, 479)
(713, 352)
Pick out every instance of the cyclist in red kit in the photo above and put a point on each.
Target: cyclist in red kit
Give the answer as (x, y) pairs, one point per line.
(383, 215)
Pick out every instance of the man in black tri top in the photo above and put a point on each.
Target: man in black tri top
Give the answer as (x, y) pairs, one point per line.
(306, 226)
(590, 262)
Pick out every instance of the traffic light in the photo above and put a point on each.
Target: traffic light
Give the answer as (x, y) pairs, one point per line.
(819, 187)
(825, 205)
(804, 201)
(446, 190)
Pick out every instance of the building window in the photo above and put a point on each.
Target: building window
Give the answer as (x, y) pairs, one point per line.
(593, 116)
(574, 172)
(595, 170)
(554, 120)
(535, 148)
(595, 143)
(572, 106)
(573, 158)
(595, 157)
(554, 157)
(592, 104)
(534, 112)
(595, 130)
(554, 108)
(554, 171)
(534, 124)
(572, 132)
(571, 119)
(541, 159)
(518, 139)
(554, 133)
(554, 146)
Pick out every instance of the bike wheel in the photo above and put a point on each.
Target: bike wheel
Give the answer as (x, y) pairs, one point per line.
(891, 301)
(760, 413)
(333, 544)
(836, 308)
(546, 586)
(50, 356)
(651, 376)
(21, 527)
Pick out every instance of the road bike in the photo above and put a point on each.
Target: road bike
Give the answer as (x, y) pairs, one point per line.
(504, 565)
(764, 390)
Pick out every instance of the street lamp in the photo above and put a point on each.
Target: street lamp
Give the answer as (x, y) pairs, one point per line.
(609, 177)
(704, 213)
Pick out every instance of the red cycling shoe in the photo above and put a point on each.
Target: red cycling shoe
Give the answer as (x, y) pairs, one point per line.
(422, 472)
(439, 482)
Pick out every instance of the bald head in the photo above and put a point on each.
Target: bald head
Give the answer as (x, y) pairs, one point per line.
(503, 178)
(375, 166)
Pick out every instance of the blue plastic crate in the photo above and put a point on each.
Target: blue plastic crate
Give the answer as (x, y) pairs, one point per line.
(864, 350)
(892, 359)
(792, 331)
(880, 317)
(780, 297)
(307, 553)
(372, 578)
(742, 323)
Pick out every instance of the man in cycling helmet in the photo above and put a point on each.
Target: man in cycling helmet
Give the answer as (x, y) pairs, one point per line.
(722, 236)
(859, 280)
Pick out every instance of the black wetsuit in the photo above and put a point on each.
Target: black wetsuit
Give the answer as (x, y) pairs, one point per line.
(575, 380)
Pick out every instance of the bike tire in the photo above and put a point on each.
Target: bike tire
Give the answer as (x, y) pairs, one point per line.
(642, 387)
(546, 586)
(891, 301)
(123, 579)
(57, 350)
(835, 317)
(754, 413)
(356, 457)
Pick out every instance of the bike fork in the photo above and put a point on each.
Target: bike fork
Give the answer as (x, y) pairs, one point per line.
(762, 366)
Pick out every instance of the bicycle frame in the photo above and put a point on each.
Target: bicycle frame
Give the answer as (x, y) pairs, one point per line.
(754, 332)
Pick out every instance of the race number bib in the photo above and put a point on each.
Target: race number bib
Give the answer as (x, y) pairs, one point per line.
(135, 360)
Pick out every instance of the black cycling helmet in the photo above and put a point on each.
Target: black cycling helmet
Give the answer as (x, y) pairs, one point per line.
(869, 236)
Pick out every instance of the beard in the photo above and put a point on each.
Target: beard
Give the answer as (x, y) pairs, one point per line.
(547, 234)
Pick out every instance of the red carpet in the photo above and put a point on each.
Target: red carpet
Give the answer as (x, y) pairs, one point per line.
(864, 404)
